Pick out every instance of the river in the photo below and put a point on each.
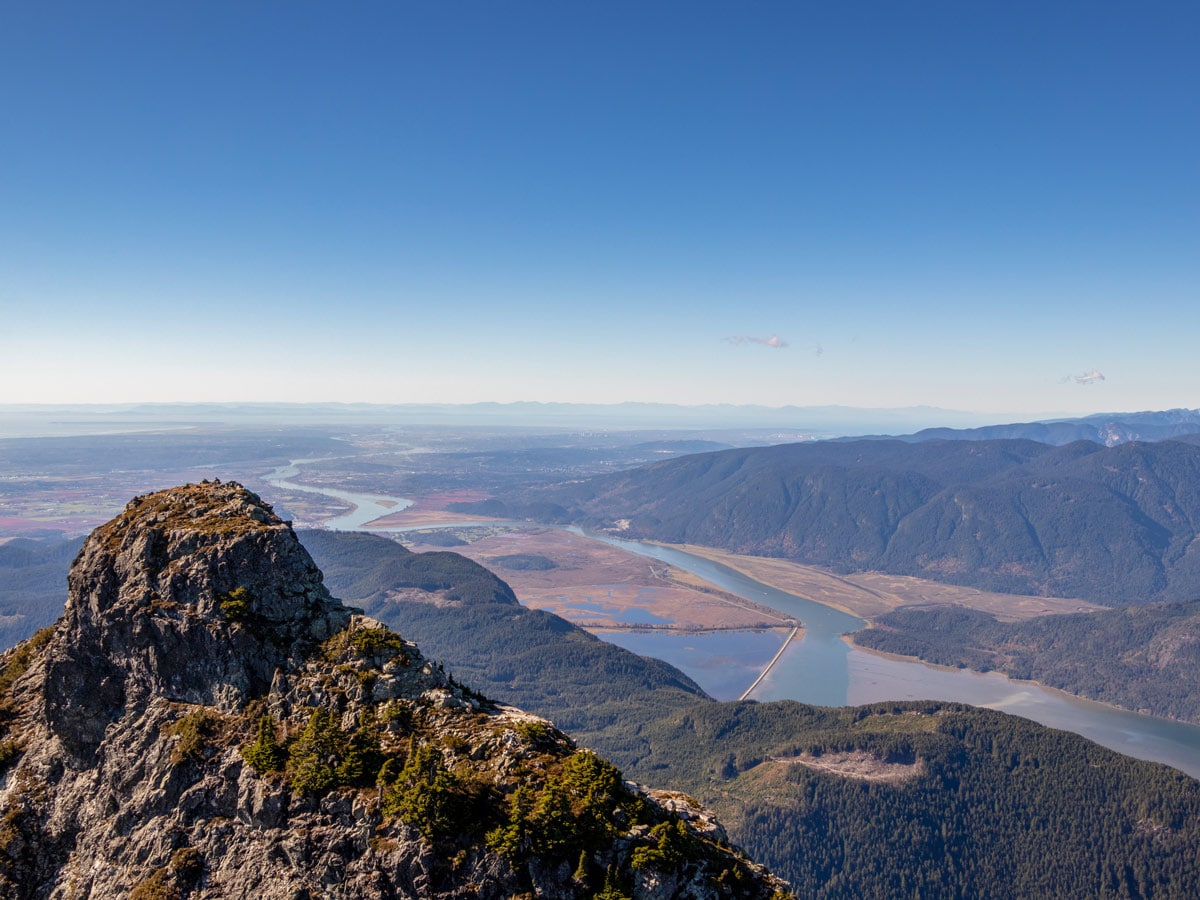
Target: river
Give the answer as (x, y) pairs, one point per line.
(823, 669)
(365, 507)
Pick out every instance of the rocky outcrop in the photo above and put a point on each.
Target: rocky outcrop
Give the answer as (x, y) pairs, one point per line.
(206, 721)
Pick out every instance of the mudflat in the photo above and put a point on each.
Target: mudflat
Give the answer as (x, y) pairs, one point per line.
(869, 594)
(598, 586)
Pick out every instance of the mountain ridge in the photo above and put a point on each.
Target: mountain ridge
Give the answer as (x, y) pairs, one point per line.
(1108, 429)
(206, 720)
(1109, 524)
(820, 794)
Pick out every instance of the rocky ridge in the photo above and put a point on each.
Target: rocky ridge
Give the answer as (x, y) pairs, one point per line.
(206, 721)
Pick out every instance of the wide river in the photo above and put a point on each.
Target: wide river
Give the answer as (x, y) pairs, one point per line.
(823, 669)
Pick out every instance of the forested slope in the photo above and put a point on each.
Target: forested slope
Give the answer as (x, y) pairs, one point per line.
(1115, 525)
(982, 805)
(1142, 658)
(33, 585)
(459, 612)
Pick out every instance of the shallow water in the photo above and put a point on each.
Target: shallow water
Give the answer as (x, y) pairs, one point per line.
(823, 669)
(721, 662)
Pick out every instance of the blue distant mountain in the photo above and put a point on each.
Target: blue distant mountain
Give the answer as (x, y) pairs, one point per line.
(1108, 429)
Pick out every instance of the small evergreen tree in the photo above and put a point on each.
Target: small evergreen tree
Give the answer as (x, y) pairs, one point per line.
(514, 839)
(426, 794)
(265, 754)
(363, 758)
(313, 758)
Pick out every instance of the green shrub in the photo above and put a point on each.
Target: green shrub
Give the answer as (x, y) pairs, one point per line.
(612, 889)
(361, 763)
(535, 733)
(265, 754)
(195, 731)
(370, 641)
(514, 839)
(235, 605)
(187, 863)
(389, 772)
(575, 811)
(673, 846)
(157, 887)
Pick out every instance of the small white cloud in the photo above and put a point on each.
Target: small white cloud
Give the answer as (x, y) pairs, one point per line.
(1088, 377)
(774, 341)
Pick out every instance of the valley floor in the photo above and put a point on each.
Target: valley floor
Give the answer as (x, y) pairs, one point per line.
(869, 594)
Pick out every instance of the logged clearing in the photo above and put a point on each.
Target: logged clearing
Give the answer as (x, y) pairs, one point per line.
(856, 764)
(774, 774)
(869, 594)
(595, 585)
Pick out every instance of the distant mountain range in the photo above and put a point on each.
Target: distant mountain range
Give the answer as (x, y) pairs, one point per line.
(1116, 525)
(792, 422)
(1109, 429)
(819, 421)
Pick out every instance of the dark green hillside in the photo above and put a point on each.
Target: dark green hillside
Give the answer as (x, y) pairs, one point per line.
(1142, 657)
(462, 613)
(33, 585)
(989, 805)
(984, 805)
(1116, 525)
(366, 568)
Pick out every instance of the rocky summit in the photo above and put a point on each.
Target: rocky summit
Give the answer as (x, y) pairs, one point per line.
(206, 721)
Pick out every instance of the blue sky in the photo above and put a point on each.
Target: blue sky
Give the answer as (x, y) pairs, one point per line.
(978, 206)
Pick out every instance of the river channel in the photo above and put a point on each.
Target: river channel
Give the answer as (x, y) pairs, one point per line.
(823, 669)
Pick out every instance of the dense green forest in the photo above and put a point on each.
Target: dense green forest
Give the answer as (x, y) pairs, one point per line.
(987, 805)
(996, 806)
(1116, 525)
(1143, 657)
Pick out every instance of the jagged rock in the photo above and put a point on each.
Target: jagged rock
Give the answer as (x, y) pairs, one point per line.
(206, 721)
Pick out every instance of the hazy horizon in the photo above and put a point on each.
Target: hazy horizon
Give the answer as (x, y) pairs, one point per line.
(779, 424)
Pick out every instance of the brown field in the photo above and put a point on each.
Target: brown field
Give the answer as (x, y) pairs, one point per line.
(416, 516)
(431, 510)
(599, 586)
(869, 594)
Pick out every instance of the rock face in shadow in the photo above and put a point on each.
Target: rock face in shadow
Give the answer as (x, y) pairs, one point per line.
(152, 595)
(206, 721)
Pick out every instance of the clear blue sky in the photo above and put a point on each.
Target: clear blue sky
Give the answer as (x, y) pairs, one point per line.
(973, 205)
